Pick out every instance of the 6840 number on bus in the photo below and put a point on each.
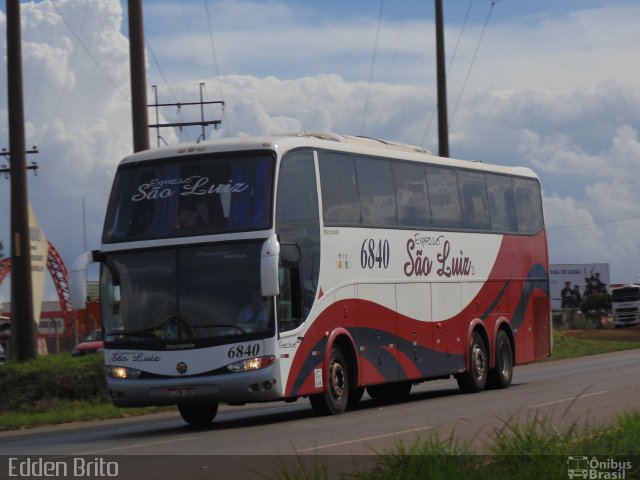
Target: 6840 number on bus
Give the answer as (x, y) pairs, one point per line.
(375, 254)
(241, 351)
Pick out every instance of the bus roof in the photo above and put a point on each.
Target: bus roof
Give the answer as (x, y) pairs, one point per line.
(321, 140)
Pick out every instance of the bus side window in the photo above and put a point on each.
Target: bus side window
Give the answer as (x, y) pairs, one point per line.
(377, 192)
(528, 205)
(339, 189)
(475, 207)
(411, 195)
(443, 197)
(501, 203)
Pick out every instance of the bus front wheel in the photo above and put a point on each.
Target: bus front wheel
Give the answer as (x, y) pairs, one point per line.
(198, 415)
(335, 397)
(475, 379)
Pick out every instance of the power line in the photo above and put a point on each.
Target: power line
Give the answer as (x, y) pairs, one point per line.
(611, 220)
(155, 60)
(89, 53)
(213, 50)
(373, 64)
(215, 58)
(464, 26)
(394, 56)
(473, 60)
(193, 45)
(66, 78)
(39, 81)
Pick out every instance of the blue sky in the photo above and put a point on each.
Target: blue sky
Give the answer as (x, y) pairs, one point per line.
(552, 85)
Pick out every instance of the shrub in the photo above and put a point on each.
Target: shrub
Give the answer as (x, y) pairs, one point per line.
(35, 385)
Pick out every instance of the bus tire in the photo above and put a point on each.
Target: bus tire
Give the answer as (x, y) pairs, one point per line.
(475, 379)
(500, 376)
(198, 414)
(335, 398)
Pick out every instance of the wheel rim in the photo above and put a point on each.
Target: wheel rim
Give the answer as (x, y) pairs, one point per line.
(337, 383)
(479, 363)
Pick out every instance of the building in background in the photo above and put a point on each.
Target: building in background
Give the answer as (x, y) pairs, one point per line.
(54, 336)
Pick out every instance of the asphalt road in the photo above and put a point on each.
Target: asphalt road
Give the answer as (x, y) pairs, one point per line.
(587, 391)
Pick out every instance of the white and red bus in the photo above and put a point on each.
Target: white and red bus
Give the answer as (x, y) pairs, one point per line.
(315, 265)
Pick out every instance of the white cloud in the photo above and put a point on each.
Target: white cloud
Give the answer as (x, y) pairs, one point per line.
(572, 231)
(603, 224)
(557, 154)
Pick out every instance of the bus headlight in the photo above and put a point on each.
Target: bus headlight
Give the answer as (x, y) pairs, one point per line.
(252, 364)
(121, 372)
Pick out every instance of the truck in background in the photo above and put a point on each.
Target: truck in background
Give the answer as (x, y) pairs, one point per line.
(625, 304)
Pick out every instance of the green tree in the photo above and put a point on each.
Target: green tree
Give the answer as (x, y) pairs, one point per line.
(593, 306)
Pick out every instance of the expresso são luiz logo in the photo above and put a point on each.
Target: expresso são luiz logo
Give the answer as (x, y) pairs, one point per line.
(182, 368)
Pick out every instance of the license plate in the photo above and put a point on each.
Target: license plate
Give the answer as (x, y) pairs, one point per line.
(181, 391)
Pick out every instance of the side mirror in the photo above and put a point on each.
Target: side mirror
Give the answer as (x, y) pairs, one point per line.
(269, 260)
(78, 280)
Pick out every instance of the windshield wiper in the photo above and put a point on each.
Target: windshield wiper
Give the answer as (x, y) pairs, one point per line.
(217, 325)
(131, 333)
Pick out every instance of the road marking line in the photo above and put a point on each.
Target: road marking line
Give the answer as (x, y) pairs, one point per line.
(363, 439)
(568, 399)
(136, 446)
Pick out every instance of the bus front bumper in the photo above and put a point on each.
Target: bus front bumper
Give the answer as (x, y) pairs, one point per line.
(243, 387)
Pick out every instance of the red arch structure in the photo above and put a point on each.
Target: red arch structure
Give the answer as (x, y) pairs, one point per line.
(60, 277)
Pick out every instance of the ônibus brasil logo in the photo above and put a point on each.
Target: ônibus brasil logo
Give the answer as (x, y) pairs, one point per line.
(594, 468)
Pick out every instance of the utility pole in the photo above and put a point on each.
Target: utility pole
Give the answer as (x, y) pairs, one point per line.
(443, 122)
(139, 115)
(23, 332)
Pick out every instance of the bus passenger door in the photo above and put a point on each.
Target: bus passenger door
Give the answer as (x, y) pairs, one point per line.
(541, 326)
(449, 328)
(376, 334)
(415, 350)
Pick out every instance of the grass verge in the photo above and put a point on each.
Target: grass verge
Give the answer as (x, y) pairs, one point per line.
(567, 346)
(532, 449)
(68, 411)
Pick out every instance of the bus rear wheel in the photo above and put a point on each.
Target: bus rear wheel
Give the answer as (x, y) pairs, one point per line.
(501, 375)
(335, 398)
(198, 415)
(475, 379)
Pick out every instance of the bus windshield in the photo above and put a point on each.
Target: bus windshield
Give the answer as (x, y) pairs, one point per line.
(201, 196)
(188, 294)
